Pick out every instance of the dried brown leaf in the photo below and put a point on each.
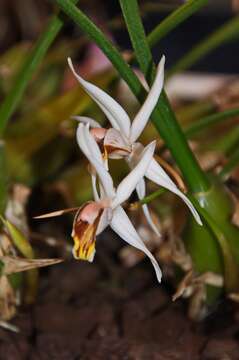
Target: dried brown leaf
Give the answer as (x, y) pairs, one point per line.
(13, 265)
(7, 299)
(56, 213)
(183, 285)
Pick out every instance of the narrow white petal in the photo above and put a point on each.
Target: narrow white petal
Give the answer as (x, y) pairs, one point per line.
(140, 189)
(88, 144)
(105, 179)
(122, 225)
(116, 114)
(87, 120)
(91, 150)
(92, 144)
(156, 174)
(80, 137)
(96, 160)
(145, 111)
(128, 184)
(94, 187)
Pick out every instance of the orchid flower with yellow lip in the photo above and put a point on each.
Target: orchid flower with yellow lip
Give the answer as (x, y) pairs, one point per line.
(93, 217)
(120, 141)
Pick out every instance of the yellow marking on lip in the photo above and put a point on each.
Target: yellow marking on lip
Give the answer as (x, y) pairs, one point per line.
(84, 239)
(81, 252)
(85, 245)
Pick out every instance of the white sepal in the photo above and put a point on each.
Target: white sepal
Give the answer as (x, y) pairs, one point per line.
(156, 174)
(128, 184)
(122, 225)
(91, 150)
(116, 114)
(146, 109)
(94, 187)
(87, 120)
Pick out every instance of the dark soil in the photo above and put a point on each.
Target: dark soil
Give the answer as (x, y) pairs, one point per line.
(103, 311)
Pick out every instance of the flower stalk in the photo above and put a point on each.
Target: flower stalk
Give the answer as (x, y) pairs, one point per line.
(215, 246)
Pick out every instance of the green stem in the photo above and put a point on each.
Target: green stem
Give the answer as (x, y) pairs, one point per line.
(152, 196)
(138, 39)
(210, 120)
(207, 45)
(32, 62)
(169, 123)
(168, 127)
(230, 165)
(222, 231)
(163, 116)
(174, 19)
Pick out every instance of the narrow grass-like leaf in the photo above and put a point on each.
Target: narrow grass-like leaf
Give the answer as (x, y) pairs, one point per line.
(207, 121)
(228, 142)
(33, 60)
(174, 19)
(232, 163)
(225, 33)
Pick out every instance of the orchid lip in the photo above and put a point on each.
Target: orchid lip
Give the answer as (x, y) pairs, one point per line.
(84, 230)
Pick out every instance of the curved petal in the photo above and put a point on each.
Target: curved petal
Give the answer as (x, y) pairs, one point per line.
(122, 225)
(140, 189)
(91, 150)
(93, 147)
(87, 143)
(105, 179)
(87, 120)
(94, 187)
(115, 113)
(98, 163)
(156, 174)
(145, 111)
(128, 184)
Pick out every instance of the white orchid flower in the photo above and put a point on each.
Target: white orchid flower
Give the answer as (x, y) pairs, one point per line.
(121, 140)
(93, 217)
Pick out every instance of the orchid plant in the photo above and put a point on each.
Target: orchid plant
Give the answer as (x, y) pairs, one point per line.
(120, 141)
(117, 142)
(93, 217)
